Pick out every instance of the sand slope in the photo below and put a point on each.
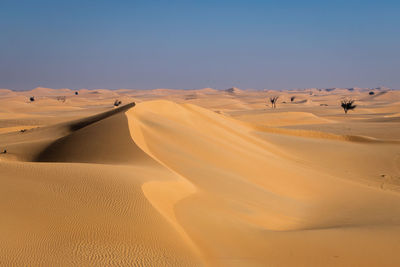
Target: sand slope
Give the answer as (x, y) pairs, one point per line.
(87, 214)
(199, 182)
(252, 193)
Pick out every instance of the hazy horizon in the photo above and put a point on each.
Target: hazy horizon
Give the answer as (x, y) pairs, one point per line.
(163, 88)
(175, 44)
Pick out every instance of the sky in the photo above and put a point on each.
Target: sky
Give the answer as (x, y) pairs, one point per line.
(258, 44)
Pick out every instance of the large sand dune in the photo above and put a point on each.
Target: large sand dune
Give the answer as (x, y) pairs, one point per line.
(199, 177)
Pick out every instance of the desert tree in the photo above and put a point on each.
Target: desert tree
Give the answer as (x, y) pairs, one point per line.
(371, 93)
(76, 93)
(273, 101)
(292, 98)
(347, 104)
(117, 103)
(32, 98)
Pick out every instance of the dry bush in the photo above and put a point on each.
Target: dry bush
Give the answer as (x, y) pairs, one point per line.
(117, 103)
(61, 98)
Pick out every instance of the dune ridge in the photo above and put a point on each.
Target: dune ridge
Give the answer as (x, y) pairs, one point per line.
(99, 232)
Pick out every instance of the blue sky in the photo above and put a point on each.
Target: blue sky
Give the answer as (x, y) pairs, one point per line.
(197, 44)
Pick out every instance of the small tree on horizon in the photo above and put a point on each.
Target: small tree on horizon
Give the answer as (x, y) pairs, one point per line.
(347, 104)
(273, 101)
(292, 98)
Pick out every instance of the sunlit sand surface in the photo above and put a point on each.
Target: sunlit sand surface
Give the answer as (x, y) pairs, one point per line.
(199, 177)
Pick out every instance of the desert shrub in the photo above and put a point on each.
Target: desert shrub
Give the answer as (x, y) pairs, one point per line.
(347, 104)
(371, 93)
(117, 103)
(61, 98)
(76, 93)
(32, 98)
(292, 98)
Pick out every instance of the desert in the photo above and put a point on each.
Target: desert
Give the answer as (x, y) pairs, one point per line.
(199, 177)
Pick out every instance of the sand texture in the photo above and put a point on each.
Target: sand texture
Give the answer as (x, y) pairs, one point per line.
(199, 178)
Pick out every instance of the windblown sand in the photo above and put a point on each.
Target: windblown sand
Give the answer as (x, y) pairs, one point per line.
(199, 177)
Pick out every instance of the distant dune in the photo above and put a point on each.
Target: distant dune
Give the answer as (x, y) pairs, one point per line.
(199, 177)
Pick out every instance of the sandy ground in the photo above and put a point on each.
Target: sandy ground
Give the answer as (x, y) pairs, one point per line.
(199, 178)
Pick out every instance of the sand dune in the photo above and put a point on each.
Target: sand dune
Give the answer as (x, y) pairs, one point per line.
(199, 177)
(282, 118)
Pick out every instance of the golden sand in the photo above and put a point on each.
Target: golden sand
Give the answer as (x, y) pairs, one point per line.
(199, 177)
